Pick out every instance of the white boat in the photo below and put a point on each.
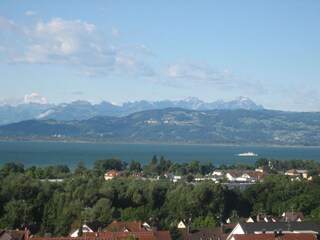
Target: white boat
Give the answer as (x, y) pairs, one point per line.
(247, 154)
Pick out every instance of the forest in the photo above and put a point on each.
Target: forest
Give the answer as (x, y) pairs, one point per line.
(29, 199)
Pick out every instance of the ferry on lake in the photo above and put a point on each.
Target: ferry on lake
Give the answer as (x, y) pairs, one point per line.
(247, 154)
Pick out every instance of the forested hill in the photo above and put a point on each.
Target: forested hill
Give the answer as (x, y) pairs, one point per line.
(180, 125)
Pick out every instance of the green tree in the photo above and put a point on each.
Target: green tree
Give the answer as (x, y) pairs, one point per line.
(189, 178)
(135, 166)
(154, 159)
(81, 169)
(101, 166)
(12, 168)
(208, 221)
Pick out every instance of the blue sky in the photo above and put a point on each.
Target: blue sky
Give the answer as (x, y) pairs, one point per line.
(118, 51)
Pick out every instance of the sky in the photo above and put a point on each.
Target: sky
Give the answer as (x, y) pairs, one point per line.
(123, 50)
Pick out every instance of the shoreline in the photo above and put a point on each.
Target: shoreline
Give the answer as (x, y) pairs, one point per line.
(158, 143)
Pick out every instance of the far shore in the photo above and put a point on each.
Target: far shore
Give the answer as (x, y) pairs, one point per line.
(67, 140)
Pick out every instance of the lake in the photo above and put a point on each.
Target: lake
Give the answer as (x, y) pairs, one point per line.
(42, 154)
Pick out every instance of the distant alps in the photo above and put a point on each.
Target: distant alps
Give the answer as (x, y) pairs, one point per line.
(81, 110)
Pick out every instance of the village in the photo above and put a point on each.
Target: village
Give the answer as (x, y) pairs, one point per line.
(240, 179)
(290, 226)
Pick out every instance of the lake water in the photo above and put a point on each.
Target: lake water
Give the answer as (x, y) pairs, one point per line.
(70, 153)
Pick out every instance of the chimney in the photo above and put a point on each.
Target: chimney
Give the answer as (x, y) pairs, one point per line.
(275, 233)
(26, 234)
(222, 228)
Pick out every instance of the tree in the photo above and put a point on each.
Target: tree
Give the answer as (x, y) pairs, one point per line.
(261, 162)
(81, 169)
(189, 178)
(135, 166)
(12, 168)
(101, 166)
(102, 210)
(315, 215)
(207, 221)
(234, 217)
(154, 159)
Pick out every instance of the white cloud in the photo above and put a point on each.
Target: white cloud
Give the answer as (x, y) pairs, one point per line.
(28, 98)
(195, 73)
(132, 65)
(6, 25)
(74, 43)
(198, 72)
(34, 98)
(29, 13)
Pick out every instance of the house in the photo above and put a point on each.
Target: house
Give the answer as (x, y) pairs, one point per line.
(118, 231)
(270, 227)
(181, 224)
(303, 173)
(263, 169)
(219, 172)
(177, 178)
(112, 174)
(252, 219)
(116, 226)
(248, 176)
(270, 219)
(275, 236)
(206, 233)
(152, 235)
(147, 226)
(14, 234)
(292, 172)
(292, 216)
(297, 173)
(138, 175)
(88, 227)
(253, 176)
(260, 218)
(233, 176)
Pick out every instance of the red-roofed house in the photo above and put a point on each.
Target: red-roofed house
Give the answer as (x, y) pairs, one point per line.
(14, 234)
(292, 216)
(112, 174)
(116, 226)
(248, 176)
(153, 235)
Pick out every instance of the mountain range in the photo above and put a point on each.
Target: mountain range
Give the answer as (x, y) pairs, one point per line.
(81, 110)
(179, 125)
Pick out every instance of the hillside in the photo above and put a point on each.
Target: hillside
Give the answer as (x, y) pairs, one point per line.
(180, 125)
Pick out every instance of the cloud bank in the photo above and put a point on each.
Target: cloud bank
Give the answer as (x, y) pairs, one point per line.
(84, 46)
(27, 98)
(73, 43)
